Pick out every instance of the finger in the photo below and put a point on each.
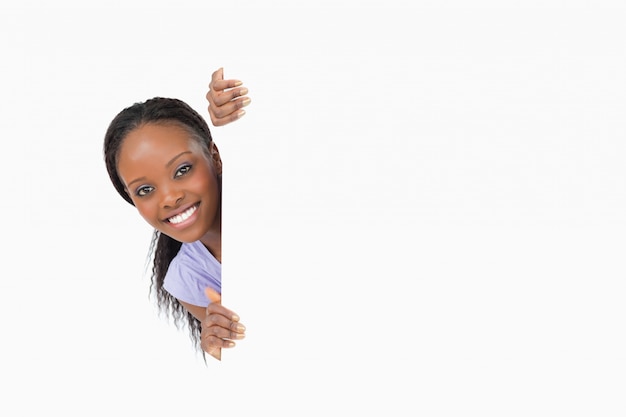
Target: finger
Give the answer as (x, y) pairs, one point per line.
(210, 343)
(223, 333)
(210, 340)
(229, 111)
(224, 85)
(220, 310)
(219, 98)
(226, 120)
(221, 326)
(213, 295)
(218, 82)
(217, 75)
(223, 107)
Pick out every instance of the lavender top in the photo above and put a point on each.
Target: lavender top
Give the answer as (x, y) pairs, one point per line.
(192, 270)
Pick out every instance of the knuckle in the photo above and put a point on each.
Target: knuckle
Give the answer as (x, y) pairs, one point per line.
(208, 343)
(219, 113)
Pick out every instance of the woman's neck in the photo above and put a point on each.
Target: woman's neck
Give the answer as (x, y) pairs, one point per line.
(213, 242)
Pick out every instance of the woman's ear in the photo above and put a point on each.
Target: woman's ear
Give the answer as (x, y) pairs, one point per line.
(215, 157)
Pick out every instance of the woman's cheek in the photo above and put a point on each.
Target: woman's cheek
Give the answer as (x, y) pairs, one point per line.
(148, 213)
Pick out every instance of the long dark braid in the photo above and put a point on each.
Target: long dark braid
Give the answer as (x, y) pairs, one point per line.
(162, 247)
(162, 250)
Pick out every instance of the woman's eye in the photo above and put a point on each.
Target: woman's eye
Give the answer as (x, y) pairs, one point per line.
(182, 170)
(143, 191)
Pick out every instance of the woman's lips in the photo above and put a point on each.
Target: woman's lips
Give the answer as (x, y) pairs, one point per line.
(183, 217)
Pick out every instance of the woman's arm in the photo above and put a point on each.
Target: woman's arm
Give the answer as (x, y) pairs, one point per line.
(196, 311)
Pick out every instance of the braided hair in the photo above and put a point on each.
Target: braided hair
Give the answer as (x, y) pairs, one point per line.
(162, 248)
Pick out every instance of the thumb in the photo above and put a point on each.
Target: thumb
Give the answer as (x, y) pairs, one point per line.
(213, 295)
(218, 74)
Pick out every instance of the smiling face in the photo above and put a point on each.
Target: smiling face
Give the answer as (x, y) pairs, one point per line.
(172, 182)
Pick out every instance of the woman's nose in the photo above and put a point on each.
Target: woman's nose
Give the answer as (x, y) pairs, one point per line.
(172, 197)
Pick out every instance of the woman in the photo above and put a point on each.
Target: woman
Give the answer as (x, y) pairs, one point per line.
(161, 158)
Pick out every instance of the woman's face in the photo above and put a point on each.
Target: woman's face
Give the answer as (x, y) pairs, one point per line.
(171, 181)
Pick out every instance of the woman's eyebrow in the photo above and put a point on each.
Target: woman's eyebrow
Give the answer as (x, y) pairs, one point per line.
(135, 180)
(176, 157)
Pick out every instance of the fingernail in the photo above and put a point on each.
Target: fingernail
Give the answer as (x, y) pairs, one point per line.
(245, 102)
(241, 328)
(238, 83)
(239, 116)
(230, 344)
(243, 91)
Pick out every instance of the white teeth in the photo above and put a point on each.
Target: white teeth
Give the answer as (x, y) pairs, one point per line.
(182, 216)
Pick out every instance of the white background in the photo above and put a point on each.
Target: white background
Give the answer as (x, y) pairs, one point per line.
(423, 215)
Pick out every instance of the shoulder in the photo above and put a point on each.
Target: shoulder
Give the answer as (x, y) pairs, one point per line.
(190, 272)
(195, 254)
